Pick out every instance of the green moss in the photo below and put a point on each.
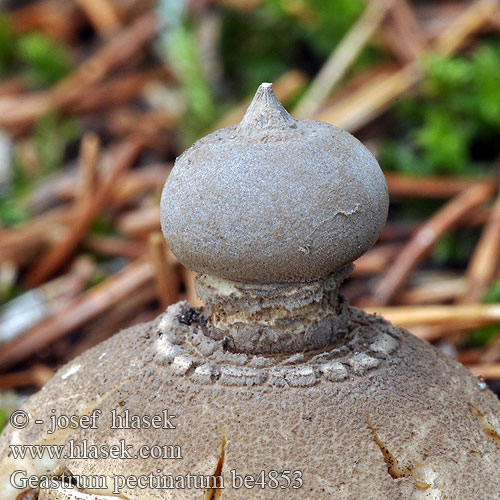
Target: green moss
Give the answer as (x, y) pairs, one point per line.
(42, 60)
(281, 35)
(46, 61)
(12, 213)
(481, 337)
(51, 137)
(454, 249)
(4, 416)
(7, 44)
(493, 294)
(451, 127)
(103, 226)
(12, 210)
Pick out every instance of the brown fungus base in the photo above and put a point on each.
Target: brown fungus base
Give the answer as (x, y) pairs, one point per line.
(379, 415)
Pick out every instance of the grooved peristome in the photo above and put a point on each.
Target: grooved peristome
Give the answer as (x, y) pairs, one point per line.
(187, 352)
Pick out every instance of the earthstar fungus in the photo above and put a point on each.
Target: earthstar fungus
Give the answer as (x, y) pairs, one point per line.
(277, 371)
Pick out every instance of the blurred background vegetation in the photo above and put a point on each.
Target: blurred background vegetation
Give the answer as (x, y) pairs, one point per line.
(98, 98)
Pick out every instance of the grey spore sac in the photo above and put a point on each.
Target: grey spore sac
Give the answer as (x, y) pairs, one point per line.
(273, 199)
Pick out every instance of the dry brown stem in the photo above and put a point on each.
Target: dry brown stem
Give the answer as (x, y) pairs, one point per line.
(426, 187)
(472, 314)
(133, 185)
(102, 16)
(166, 279)
(433, 333)
(111, 93)
(60, 252)
(139, 223)
(58, 19)
(402, 32)
(484, 262)
(491, 354)
(36, 376)
(342, 57)
(375, 260)
(149, 178)
(17, 244)
(473, 19)
(438, 291)
(486, 371)
(420, 245)
(115, 247)
(119, 50)
(77, 313)
(436, 17)
(131, 310)
(397, 231)
(90, 152)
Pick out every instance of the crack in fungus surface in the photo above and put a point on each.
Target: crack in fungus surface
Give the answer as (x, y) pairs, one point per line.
(216, 493)
(28, 495)
(345, 212)
(489, 429)
(422, 474)
(394, 468)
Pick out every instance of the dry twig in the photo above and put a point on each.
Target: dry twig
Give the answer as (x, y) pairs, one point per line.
(342, 57)
(19, 244)
(370, 100)
(426, 187)
(90, 152)
(166, 280)
(139, 223)
(77, 313)
(60, 252)
(472, 314)
(130, 311)
(36, 376)
(436, 292)
(486, 371)
(115, 247)
(402, 32)
(424, 239)
(484, 262)
(102, 15)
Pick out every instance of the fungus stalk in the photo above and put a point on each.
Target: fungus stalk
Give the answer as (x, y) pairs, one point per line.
(276, 317)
